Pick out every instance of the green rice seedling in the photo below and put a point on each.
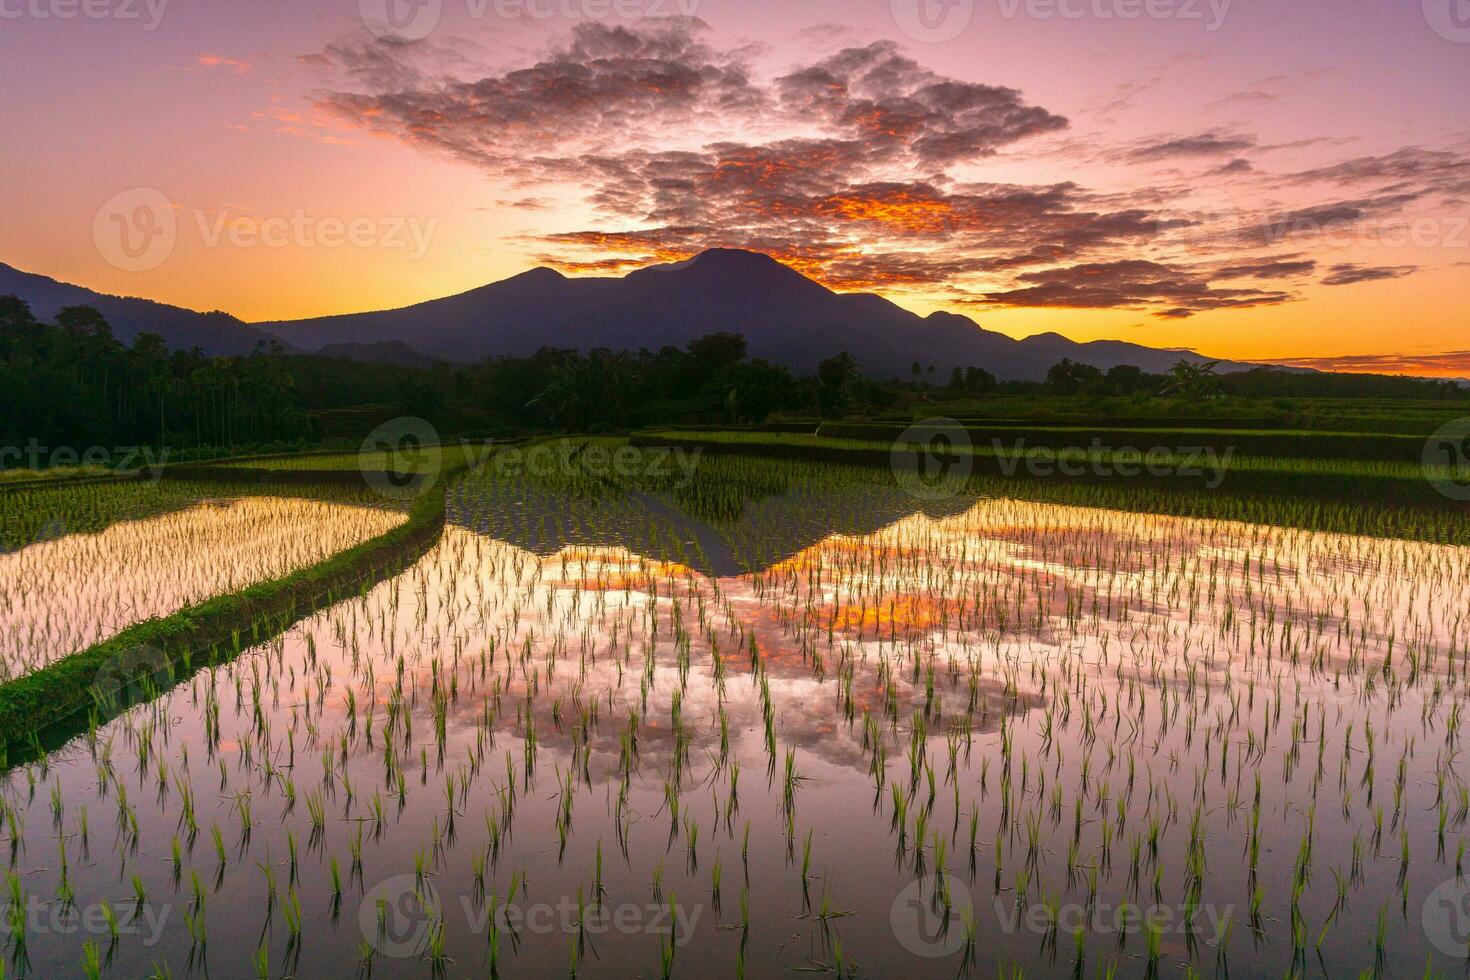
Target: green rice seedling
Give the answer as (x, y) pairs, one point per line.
(1127, 702)
(91, 961)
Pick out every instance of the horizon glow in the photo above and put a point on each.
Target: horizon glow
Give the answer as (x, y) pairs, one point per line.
(1253, 181)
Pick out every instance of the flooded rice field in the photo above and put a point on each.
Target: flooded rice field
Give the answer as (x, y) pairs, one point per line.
(67, 591)
(809, 726)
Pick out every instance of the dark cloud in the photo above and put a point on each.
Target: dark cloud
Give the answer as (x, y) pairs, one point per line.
(1251, 98)
(605, 81)
(1330, 218)
(1170, 292)
(1267, 90)
(1411, 169)
(1201, 145)
(1239, 165)
(1273, 268)
(525, 203)
(851, 167)
(1349, 273)
(611, 83)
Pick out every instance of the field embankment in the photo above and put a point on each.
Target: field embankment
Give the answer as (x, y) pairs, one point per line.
(148, 654)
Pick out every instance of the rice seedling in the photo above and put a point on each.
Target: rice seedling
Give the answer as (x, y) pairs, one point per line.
(1055, 707)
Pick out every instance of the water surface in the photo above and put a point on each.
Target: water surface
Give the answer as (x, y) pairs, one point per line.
(1136, 714)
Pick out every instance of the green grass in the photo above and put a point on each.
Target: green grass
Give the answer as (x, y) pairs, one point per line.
(1296, 443)
(1238, 461)
(1310, 414)
(328, 461)
(53, 473)
(66, 688)
(449, 455)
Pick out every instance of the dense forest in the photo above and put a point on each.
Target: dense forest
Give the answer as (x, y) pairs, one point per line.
(72, 383)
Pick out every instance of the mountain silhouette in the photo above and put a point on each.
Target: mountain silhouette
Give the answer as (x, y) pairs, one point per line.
(214, 333)
(786, 318)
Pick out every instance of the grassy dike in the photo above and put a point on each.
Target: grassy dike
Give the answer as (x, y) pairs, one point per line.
(79, 689)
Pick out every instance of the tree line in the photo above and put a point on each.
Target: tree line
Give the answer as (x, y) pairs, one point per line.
(72, 382)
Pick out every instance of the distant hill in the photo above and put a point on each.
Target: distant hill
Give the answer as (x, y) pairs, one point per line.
(785, 317)
(215, 333)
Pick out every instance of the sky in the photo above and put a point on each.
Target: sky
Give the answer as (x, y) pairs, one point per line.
(1253, 179)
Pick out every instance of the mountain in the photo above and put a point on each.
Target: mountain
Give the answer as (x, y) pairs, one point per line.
(786, 318)
(215, 333)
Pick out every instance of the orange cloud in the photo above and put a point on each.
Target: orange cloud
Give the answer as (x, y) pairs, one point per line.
(220, 61)
(1450, 364)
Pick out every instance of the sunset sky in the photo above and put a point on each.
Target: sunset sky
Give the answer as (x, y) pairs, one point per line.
(1254, 179)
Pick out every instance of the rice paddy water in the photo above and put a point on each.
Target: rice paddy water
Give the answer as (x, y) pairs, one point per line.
(69, 591)
(781, 718)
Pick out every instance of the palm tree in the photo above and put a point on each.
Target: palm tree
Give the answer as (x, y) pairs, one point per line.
(1193, 380)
